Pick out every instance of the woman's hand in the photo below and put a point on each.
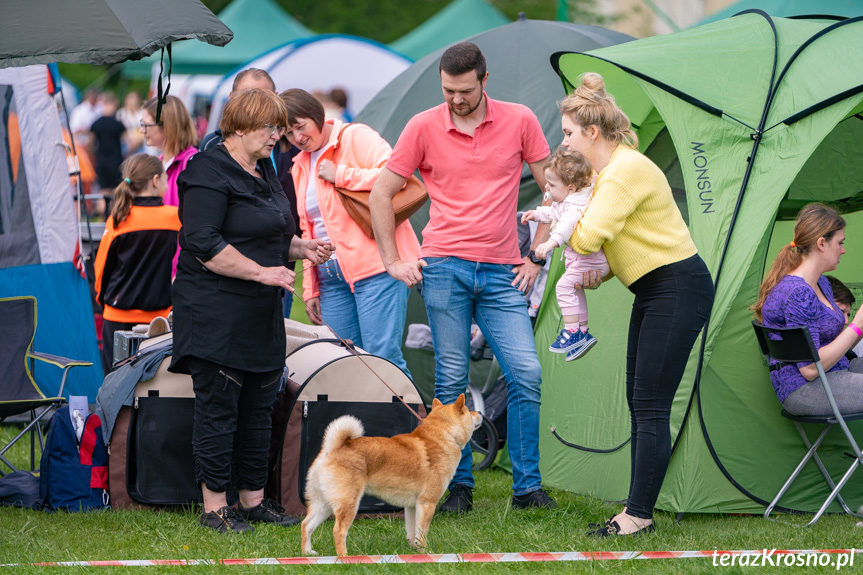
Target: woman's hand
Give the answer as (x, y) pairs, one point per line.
(313, 310)
(327, 171)
(528, 216)
(279, 276)
(318, 251)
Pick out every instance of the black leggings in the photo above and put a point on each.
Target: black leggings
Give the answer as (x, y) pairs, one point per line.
(671, 305)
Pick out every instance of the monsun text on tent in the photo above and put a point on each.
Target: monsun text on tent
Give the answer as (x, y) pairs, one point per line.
(705, 193)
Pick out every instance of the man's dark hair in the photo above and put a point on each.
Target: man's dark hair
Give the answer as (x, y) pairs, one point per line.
(461, 58)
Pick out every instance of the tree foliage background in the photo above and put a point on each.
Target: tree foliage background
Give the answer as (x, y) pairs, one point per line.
(381, 20)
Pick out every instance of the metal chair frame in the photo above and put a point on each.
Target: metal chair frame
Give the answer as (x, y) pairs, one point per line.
(794, 346)
(33, 404)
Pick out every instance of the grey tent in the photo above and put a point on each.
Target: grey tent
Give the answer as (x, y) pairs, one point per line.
(517, 55)
(100, 31)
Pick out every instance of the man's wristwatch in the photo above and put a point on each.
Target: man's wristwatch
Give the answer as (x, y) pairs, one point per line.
(531, 255)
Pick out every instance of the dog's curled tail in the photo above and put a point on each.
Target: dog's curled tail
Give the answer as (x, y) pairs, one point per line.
(340, 430)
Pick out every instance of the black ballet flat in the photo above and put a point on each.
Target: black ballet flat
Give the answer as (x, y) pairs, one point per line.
(612, 528)
(600, 525)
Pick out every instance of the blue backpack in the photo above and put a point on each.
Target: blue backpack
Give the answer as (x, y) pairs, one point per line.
(73, 475)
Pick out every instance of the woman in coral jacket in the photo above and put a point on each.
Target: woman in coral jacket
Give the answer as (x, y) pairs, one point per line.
(133, 264)
(352, 293)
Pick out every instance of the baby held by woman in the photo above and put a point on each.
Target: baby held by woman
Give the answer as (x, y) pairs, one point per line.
(569, 186)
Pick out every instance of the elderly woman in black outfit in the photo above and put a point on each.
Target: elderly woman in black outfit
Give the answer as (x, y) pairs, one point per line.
(237, 236)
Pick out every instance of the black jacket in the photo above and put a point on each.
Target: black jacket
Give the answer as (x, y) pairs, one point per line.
(229, 321)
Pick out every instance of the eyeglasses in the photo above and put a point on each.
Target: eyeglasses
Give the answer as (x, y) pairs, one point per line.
(279, 130)
(144, 126)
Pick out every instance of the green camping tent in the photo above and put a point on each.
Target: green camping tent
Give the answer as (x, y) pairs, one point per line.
(460, 19)
(751, 118)
(258, 26)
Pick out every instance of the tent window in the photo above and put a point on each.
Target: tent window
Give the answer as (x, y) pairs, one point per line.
(661, 151)
(833, 174)
(10, 154)
(18, 245)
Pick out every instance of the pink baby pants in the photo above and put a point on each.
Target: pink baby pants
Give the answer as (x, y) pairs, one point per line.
(573, 301)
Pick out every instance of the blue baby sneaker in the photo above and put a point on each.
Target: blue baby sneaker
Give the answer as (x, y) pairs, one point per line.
(566, 341)
(585, 342)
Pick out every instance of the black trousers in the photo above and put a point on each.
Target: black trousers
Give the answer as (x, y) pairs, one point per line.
(671, 305)
(232, 427)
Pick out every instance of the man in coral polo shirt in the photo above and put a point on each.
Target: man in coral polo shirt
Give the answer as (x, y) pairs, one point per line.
(470, 151)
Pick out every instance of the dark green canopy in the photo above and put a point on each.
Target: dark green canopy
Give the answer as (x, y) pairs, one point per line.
(258, 26)
(100, 31)
(457, 21)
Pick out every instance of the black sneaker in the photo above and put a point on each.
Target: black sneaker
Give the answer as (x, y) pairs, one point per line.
(268, 511)
(225, 520)
(539, 498)
(459, 500)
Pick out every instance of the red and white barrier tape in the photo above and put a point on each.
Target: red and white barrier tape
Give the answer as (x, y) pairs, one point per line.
(768, 557)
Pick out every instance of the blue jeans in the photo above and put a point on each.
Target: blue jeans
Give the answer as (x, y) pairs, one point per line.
(372, 316)
(455, 292)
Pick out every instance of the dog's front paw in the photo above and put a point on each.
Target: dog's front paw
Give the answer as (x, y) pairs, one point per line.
(310, 552)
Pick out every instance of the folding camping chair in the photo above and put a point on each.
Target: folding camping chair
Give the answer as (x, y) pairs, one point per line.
(18, 390)
(793, 345)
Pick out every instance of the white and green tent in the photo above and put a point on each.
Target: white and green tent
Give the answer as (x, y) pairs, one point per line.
(751, 118)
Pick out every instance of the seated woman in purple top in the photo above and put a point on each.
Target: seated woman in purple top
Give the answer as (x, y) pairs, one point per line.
(795, 293)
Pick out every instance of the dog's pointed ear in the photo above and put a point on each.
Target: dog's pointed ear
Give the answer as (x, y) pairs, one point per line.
(436, 403)
(459, 403)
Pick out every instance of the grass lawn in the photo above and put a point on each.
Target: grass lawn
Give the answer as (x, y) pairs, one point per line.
(28, 536)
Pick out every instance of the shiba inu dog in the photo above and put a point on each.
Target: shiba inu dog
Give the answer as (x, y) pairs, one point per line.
(411, 470)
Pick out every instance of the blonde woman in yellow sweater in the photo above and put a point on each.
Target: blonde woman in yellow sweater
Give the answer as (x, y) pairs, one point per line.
(634, 219)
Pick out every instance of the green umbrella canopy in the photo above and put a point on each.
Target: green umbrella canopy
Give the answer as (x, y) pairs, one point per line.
(100, 31)
(258, 26)
(460, 19)
(788, 8)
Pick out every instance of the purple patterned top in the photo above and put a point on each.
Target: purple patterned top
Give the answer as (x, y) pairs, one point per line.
(793, 303)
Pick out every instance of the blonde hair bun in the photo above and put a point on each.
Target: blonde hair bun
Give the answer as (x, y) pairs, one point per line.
(591, 87)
